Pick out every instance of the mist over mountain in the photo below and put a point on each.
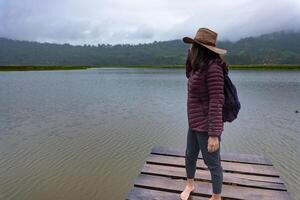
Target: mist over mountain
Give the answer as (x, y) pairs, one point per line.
(273, 48)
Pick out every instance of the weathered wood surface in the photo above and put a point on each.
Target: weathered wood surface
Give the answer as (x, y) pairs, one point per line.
(241, 158)
(245, 176)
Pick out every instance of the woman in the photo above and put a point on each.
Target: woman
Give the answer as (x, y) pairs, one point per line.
(204, 70)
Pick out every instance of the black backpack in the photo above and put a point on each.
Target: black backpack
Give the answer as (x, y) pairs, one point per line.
(232, 104)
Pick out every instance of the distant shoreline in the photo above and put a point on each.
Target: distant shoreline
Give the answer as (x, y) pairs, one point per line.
(233, 67)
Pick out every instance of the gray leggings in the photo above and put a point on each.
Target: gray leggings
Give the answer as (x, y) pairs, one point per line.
(197, 141)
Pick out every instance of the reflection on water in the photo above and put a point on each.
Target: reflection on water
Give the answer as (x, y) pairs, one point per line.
(85, 134)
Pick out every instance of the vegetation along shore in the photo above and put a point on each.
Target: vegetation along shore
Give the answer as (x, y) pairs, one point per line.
(37, 68)
(233, 67)
(270, 49)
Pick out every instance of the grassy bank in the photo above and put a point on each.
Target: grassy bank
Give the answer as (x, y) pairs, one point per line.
(34, 68)
(266, 67)
(233, 67)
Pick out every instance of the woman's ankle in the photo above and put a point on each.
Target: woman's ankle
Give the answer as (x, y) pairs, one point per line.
(216, 196)
(190, 183)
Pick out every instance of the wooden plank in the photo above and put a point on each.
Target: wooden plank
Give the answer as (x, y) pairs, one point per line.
(228, 178)
(254, 169)
(205, 188)
(146, 194)
(243, 158)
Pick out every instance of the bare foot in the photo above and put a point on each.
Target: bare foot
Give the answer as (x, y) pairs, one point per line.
(215, 197)
(186, 192)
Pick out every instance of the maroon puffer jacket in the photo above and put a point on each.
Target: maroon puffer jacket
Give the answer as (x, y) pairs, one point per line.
(205, 98)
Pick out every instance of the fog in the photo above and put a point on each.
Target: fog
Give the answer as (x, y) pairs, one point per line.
(141, 21)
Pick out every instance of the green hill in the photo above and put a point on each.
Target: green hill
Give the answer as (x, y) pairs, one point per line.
(274, 48)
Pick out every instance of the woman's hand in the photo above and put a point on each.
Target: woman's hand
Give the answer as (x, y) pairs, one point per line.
(213, 144)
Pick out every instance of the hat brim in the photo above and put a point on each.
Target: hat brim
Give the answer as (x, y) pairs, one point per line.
(212, 48)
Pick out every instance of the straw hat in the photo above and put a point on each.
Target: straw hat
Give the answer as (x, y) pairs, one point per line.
(206, 38)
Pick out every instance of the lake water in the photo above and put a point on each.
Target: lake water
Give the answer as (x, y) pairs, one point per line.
(85, 134)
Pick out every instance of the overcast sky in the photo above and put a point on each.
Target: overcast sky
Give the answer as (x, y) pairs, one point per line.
(142, 21)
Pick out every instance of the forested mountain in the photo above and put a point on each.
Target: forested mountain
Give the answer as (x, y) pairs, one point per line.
(274, 48)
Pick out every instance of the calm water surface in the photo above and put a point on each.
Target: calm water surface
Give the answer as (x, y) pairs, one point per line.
(85, 134)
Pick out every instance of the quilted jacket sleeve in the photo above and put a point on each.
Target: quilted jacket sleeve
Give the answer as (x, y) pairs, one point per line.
(188, 66)
(215, 85)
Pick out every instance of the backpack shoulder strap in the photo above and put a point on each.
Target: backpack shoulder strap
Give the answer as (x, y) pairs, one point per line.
(220, 62)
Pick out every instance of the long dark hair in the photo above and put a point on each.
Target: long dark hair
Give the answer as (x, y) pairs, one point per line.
(200, 56)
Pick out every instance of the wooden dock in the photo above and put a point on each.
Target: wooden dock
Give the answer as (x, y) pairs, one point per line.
(244, 177)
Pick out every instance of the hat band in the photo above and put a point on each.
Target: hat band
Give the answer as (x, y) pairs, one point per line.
(205, 42)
